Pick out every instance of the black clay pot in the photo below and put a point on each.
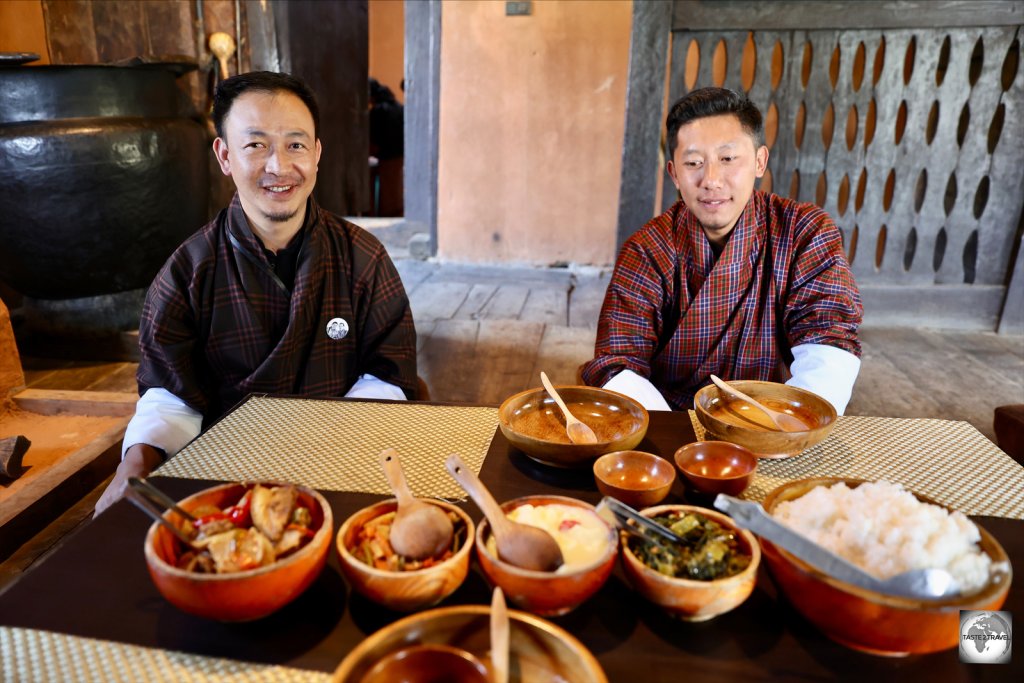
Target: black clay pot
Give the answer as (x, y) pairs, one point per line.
(104, 173)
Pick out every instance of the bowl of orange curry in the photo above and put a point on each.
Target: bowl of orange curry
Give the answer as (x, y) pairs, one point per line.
(726, 418)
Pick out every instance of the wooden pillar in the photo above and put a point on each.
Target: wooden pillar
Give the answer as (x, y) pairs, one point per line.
(641, 165)
(422, 98)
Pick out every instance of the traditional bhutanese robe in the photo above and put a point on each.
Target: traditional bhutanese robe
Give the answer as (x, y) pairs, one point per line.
(675, 315)
(218, 324)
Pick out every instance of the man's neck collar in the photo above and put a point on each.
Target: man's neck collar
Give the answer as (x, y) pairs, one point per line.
(275, 236)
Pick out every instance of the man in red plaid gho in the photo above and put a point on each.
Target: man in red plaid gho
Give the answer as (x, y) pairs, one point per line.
(729, 281)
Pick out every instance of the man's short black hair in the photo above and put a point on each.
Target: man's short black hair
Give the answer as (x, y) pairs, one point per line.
(706, 102)
(270, 82)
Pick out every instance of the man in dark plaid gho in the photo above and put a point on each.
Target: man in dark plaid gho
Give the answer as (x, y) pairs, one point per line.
(276, 295)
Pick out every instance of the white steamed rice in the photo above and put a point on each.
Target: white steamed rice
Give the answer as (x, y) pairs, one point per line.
(883, 529)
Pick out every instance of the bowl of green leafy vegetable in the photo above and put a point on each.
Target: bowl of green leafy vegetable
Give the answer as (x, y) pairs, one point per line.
(712, 571)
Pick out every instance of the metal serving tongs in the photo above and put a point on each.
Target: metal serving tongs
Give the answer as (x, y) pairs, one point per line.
(153, 501)
(926, 584)
(622, 516)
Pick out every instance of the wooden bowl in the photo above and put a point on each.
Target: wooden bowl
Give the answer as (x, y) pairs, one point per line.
(403, 591)
(688, 599)
(546, 593)
(428, 664)
(874, 622)
(245, 595)
(726, 418)
(636, 478)
(540, 652)
(714, 467)
(532, 422)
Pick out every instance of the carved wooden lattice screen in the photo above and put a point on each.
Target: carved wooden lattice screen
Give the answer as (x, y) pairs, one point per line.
(910, 138)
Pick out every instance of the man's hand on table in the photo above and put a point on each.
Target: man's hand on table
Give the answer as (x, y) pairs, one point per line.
(139, 461)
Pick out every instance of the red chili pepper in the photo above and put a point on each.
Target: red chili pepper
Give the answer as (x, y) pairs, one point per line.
(240, 515)
(306, 531)
(206, 519)
(567, 524)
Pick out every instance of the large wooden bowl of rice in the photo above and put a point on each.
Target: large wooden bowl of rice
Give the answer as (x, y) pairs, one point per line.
(864, 619)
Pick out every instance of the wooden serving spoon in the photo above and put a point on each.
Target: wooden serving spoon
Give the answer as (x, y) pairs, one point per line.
(499, 636)
(523, 545)
(222, 46)
(578, 432)
(783, 422)
(420, 530)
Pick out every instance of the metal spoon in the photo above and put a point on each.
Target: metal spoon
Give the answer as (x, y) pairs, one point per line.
(519, 544)
(784, 422)
(499, 636)
(578, 432)
(152, 501)
(920, 584)
(420, 530)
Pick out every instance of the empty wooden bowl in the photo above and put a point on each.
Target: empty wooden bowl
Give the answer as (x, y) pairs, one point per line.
(244, 595)
(726, 418)
(428, 664)
(403, 591)
(714, 467)
(636, 478)
(534, 424)
(539, 651)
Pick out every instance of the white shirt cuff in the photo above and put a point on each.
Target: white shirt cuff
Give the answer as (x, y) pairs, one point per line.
(368, 386)
(639, 389)
(826, 370)
(162, 420)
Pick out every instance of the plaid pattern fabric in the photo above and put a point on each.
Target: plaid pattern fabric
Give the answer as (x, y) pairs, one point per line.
(216, 327)
(675, 315)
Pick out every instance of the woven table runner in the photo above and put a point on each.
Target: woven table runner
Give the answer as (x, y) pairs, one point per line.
(30, 655)
(949, 461)
(335, 445)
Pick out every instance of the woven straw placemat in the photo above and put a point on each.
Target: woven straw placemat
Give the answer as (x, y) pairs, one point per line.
(335, 445)
(949, 461)
(31, 656)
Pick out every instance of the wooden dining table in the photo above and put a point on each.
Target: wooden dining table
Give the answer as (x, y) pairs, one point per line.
(91, 612)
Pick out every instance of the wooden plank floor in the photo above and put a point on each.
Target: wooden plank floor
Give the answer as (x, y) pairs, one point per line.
(486, 332)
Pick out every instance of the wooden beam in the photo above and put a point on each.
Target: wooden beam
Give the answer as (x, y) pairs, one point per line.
(951, 307)
(261, 30)
(645, 94)
(707, 15)
(92, 403)
(1012, 319)
(36, 499)
(422, 105)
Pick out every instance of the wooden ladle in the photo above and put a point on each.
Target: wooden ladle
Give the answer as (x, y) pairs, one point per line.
(578, 432)
(523, 545)
(783, 422)
(499, 636)
(222, 46)
(420, 530)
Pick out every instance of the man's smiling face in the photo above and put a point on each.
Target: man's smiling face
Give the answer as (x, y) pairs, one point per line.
(714, 167)
(271, 152)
